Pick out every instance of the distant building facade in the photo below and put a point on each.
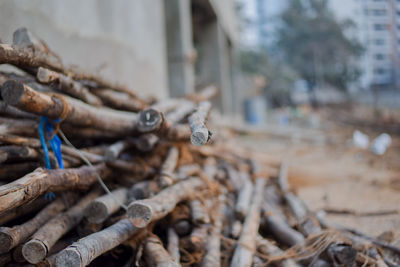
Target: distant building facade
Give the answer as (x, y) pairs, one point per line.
(377, 29)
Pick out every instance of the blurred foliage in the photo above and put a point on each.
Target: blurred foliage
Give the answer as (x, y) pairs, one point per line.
(279, 76)
(317, 46)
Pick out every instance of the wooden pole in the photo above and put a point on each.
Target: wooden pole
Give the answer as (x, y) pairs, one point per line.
(212, 257)
(156, 255)
(243, 255)
(68, 109)
(41, 181)
(68, 85)
(200, 134)
(85, 250)
(101, 208)
(44, 239)
(11, 237)
(142, 212)
(167, 177)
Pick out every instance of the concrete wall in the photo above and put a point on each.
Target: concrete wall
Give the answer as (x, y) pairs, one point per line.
(123, 40)
(179, 47)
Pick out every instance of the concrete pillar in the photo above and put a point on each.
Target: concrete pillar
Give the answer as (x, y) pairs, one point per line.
(214, 63)
(179, 47)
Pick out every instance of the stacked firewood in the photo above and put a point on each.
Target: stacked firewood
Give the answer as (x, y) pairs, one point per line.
(141, 184)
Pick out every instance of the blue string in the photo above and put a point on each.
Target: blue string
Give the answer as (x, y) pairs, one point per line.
(55, 144)
(43, 121)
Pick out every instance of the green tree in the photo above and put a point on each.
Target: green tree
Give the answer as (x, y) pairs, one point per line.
(315, 44)
(279, 76)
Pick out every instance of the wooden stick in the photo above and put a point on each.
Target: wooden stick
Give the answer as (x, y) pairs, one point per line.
(11, 237)
(156, 255)
(32, 206)
(68, 85)
(200, 134)
(18, 127)
(69, 109)
(114, 150)
(167, 177)
(144, 189)
(13, 171)
(307, 224)
(244, 197)
(198, 212)
(23, 38)
(85, 250)
(27, 58)
(11, 111)
(101, 208)
(150, 120)
(43, 240)
(243, 254)
(40, 181)
(12, 153)
(185, 108)
(212, 257)
(197, 239)
(173, 244)
(142, 212)
(267, 248)
(146, 142)
(273, 222)
(19, 140)
(119, 100)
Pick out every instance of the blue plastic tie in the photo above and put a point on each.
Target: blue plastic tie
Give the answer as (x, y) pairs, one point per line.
(55, 144)
(43, 121)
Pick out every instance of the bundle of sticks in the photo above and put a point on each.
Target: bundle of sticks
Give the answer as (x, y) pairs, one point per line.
(140, 184)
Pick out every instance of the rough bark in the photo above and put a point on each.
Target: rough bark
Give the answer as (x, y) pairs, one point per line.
(22, 57)
(244, 198)
(18, 127)
(198, 212)
(307, 224)
(11, 237)
(44, 239)
(167, 177)
(267, 248)
(156, 255)
(142, 212)
(68, 85)
(85, 250)
(101, 208)
(243, 254)
(71, 110)
(212, 256)
(119, 100)
(200, 134)
(144, 189)
(41, 181)
(173, 244)
(13, 112)
(32, 206)
(114, 150)
(273, 223)
(17, 153)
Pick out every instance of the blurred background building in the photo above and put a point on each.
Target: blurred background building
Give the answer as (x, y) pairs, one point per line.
(377, 27)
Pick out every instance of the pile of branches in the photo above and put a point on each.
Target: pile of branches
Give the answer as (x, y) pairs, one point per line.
(137, 182)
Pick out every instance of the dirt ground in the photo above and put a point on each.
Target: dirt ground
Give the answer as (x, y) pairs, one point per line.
(335, 175)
